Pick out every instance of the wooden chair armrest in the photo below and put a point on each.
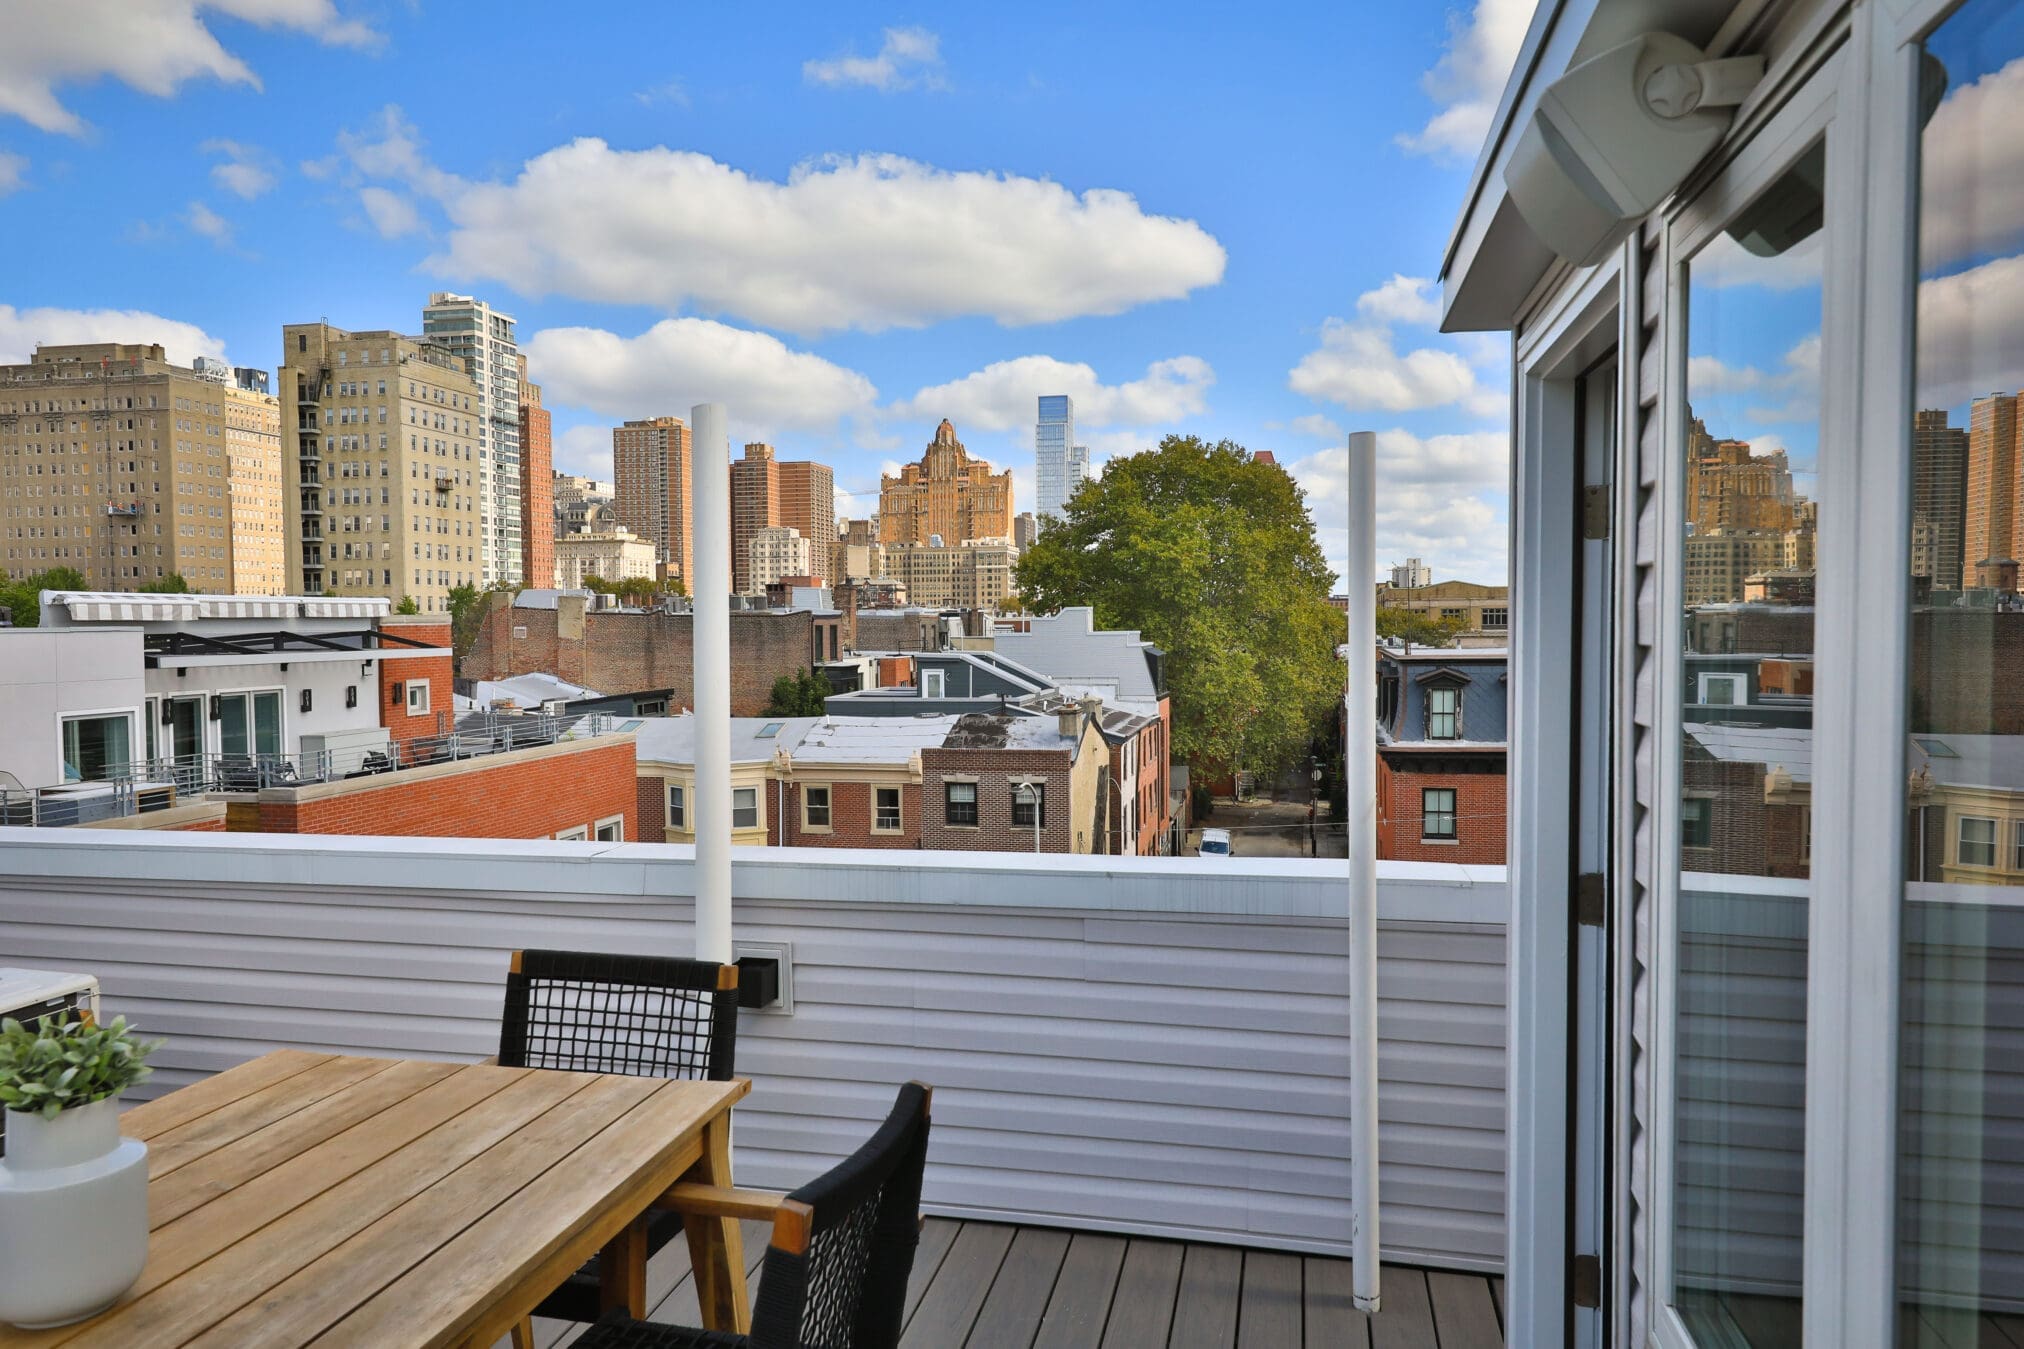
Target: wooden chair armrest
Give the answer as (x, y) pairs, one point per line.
(720, 1201)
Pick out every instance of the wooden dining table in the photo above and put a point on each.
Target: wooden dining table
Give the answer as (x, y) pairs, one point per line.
(306, 1198)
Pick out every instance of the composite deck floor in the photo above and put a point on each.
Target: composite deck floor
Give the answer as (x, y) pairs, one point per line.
(994, 1286)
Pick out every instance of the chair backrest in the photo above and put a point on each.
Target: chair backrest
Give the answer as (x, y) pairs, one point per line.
(650, 1016)
(843, 1244)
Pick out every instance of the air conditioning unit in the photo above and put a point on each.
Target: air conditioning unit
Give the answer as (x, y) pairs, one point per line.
(28, 996)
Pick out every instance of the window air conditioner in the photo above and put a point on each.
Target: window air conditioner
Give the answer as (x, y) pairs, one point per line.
(28, 996)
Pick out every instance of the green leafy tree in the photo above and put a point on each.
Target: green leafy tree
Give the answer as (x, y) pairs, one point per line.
(1211, 555)
(1418, 627)
(172, 584)
(22, 598)
(799, 695)
(407, 605)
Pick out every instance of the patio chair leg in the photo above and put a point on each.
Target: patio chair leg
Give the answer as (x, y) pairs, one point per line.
(523, 1333)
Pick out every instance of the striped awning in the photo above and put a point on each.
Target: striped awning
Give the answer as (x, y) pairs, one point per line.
(131, 607)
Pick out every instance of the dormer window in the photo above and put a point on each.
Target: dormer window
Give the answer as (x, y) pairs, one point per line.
(1444, 713)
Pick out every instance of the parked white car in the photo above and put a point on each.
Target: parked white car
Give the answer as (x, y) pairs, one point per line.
(1215, 843)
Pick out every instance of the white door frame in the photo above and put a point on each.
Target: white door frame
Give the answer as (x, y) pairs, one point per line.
(1582, 323)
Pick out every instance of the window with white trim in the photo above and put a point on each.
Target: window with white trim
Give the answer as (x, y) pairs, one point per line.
(611, 830)
(885, 817)
(418, 697)
(745, 808)
(815, 808)
(574, 834)
(678, 806)
(1976, 842)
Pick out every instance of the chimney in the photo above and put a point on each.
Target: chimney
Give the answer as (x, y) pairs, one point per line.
(1069, 717)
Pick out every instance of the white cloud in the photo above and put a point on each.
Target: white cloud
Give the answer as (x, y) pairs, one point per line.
(1790, 393)
(1001, 396)
(12, 167)
(1973, 169)
(207, 222)
(680, 362)
(1469, 78)
(1316, 425)
(391, 214)
(1403, 299)
(1357, 367)
(153, 47)
(871, 242)
(1440, 497)
(1971, 334)
(909, 58)
(246, 172)
(21, 329)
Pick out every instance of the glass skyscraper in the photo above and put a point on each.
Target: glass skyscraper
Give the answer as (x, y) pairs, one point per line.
(1059, 464)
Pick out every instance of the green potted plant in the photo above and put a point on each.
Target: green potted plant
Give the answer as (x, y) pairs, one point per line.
(73, 1193)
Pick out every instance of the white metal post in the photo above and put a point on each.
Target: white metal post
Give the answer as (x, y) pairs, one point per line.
(1359, 776)
(710, 443)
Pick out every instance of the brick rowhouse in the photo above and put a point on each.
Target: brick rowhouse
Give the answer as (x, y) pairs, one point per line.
(435, 711)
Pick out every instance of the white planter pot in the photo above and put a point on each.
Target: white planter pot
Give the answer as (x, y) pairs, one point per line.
(73, 1215)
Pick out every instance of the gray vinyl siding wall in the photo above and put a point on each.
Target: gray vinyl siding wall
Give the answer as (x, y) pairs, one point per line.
(1141, 1046)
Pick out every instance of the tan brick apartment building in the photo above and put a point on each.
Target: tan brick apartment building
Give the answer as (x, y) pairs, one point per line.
(380, 452)
(116, 463)
(654, 466)
(1484, 611)
(770, 493)
(947, 495)
(259, 524)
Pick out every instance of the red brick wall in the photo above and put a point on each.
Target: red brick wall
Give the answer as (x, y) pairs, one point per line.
(895, 671)
(435, 670)
(850, 817)
(627, 652)
(995, 831)
(1480, 809)
(653, 811)
(522, 795)
(216, 826)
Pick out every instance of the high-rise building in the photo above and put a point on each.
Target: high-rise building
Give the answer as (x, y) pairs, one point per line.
(947, 496)
(1414, 575)
(654, 465)
(380, 438)
(1717, 562)
(116, 463)
(1025, 529)
(1730, 488)
(755, 505)
(259, 527)
(772, 553)
(767, 491)
(1939, 498)
(1059, 464)
(808, 504)
(537, 486)
(1989, 506)
(483, 336)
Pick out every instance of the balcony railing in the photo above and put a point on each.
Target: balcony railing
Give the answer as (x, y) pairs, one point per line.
(1143, 1045)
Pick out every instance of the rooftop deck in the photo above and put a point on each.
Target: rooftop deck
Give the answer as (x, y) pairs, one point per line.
(1000, 1286)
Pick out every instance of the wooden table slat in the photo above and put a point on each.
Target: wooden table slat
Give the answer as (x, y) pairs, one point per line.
(321, 1293)
(180, 1106)
(197, 1138)
(261, 1153)
(559, 1219)
(176, 1247)
(213, 1290)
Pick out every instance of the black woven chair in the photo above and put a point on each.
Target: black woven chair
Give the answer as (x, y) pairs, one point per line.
(646, 1016)
(843, 1245)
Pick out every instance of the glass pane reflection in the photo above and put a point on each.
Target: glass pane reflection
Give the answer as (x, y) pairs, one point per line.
(1961, 1068)
(1746, 728)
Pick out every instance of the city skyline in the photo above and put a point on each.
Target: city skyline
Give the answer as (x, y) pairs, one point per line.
(1126, 278)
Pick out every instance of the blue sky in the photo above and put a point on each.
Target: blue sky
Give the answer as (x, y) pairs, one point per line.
(845, 221)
